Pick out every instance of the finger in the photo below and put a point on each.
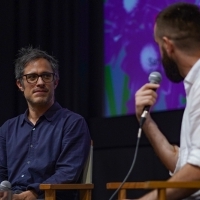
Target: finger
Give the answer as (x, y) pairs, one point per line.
(5, 196)
(14, 196)
(150, 86)
(146, 93)
(145, 101)
(147, 97)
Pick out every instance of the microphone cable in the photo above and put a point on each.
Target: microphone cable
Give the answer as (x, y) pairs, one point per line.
(154, 77)
(132, 165)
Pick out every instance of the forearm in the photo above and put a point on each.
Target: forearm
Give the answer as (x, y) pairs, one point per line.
(187, 173)
(167, 153)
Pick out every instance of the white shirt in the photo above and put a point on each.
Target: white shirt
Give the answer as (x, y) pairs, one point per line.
(189, 151)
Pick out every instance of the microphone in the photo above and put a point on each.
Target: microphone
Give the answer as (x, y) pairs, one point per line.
(154, 77)
(5, 185)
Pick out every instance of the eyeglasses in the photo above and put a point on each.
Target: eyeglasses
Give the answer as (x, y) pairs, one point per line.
(33, 78)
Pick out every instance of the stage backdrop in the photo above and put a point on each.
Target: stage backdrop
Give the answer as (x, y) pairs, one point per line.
(131, 54)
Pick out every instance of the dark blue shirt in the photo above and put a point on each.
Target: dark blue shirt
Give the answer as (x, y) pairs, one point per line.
(53, 150)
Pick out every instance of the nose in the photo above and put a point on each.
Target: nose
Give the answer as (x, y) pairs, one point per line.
(40, 81)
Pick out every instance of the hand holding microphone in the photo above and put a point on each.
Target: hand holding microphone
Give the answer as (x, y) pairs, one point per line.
(5, 190)
(146, 96)
(5, 185)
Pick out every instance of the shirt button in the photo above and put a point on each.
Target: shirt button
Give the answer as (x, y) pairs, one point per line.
(33, 129)
(22, 175)
(31, 145)
(28, 162)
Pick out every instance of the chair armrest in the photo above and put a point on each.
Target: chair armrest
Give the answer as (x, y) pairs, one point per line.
(154, 185)
(161, 186)
(81, 186)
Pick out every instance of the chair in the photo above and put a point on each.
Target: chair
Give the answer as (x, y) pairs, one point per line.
(161, 186)
(85, 187)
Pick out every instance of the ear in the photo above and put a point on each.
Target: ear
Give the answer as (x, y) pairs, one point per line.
(56, 83)
(19, 85)
(168, 45)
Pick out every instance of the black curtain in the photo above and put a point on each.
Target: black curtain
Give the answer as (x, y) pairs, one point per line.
(70, 30)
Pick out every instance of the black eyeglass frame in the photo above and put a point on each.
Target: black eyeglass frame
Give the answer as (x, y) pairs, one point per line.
(42, 77)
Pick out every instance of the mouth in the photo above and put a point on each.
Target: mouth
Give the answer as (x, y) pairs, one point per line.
(40, 91)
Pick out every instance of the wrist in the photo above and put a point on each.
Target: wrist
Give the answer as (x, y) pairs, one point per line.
(34, 193)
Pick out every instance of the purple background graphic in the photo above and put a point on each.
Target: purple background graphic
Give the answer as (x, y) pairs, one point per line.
(131, 54)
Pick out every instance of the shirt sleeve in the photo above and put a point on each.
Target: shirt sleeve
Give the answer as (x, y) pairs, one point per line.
(74, 153)
(194, 120)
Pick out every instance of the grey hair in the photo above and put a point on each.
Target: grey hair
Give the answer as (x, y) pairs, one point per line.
(26, 55)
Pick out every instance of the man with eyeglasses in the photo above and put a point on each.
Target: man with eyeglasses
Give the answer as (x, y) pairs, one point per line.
(46, 144)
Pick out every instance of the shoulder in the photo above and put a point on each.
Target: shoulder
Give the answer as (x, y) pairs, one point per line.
(70, 114)
(72, 124)
(71, 118)
(12, 122)
(57, 112)
(16, 119)
(64, 113)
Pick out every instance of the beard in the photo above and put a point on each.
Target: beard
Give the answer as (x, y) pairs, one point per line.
(171, 68)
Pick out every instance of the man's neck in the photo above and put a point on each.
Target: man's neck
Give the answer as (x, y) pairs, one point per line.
(35, 112)
(185, 61)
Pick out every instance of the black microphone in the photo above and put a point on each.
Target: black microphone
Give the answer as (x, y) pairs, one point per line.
(154, 77)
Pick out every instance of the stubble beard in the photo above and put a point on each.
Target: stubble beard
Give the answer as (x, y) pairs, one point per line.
(171, 68)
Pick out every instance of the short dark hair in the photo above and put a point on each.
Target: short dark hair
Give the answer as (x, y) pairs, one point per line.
(28, 54)
(181, 23)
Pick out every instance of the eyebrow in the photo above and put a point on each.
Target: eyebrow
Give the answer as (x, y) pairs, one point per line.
(40, 73)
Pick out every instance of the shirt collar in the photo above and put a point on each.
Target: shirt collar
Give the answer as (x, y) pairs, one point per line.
(191, 76)
(49, 114)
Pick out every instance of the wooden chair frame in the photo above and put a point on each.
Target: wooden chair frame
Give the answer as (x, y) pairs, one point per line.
(161, 186)
(84, 189)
